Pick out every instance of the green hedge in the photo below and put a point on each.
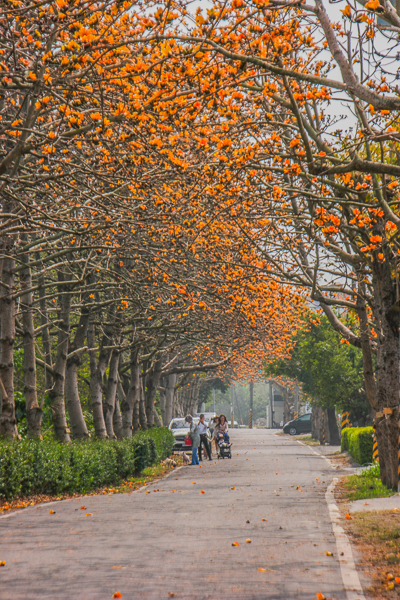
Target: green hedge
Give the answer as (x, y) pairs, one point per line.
(358, 441)
(48, 467)
(345, 439)
(163, 439)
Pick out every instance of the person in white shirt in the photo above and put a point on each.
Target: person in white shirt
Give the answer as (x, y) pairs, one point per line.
(204, 438)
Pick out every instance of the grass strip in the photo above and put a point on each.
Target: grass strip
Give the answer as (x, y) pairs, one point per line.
(365, 485)
(307, 439)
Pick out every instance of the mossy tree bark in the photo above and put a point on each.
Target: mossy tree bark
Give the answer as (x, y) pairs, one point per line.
(34, 414)
(74, 407)
(152, 382)
(8, 424)
(56, 394)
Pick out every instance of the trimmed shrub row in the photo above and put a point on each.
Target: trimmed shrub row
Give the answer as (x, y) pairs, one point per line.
(47, 467)
(358, 441)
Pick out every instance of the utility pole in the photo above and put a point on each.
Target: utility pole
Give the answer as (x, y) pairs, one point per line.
(251, 405)
(270, 405)
(232, 412)
(214, 400)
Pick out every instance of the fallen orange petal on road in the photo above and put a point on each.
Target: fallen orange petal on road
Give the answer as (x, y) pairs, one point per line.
(117, 595)
(235, 544)
(390, 586)
(52, 512)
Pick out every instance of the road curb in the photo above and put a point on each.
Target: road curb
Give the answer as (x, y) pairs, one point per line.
(348, 570)
(18, 511)
(146, 486)
(351, 580)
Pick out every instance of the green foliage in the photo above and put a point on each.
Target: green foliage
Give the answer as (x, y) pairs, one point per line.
(163, 440)
(345, 439)
(331, 372)
(48, 467)
(366, 485)
(358, 441)
(208, 384)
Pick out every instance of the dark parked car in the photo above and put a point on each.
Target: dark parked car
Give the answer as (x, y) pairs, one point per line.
(300, 425)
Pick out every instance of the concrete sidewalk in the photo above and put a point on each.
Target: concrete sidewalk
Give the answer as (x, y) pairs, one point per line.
(390, 503)
(177, 540)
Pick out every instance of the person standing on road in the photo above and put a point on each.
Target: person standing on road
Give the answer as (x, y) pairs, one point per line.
(195, 437)
(204, 439)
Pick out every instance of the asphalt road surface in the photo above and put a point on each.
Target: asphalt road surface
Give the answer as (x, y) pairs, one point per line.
(177, 541)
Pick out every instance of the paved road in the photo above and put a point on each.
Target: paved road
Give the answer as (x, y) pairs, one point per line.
(179, 540)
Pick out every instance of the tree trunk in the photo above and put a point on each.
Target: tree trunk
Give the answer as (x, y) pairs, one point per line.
(96, 385)
(117, 419)
(45, 333)
(194, 395)
(169, 397)
(157, 417)
(334, 437)
(142, 408)
(162, 401)
(316, 423)
(74, 407)
(8, 423)
(152, 381)
(111, 392)
(136, 394)
(56, 394)
(386, 311)
(34, 413)
(130, 404)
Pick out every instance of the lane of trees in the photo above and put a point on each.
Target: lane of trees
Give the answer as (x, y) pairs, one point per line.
(319, 203)
(175, 182)
(117, 286)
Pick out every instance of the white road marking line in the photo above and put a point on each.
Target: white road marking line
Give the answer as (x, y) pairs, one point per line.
(351, 580)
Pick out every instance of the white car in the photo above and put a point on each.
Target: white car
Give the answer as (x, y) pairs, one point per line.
(180, 429)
